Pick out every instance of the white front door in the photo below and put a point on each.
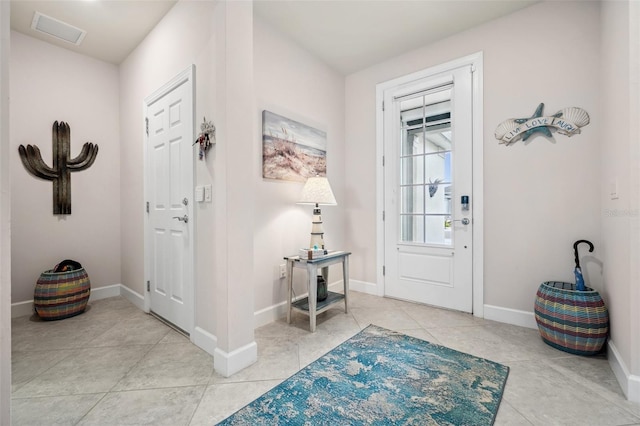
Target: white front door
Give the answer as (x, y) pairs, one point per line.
(428, 141)
(169, 189)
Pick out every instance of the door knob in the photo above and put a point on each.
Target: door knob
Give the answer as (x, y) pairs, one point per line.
(464, 221)
(184, 218)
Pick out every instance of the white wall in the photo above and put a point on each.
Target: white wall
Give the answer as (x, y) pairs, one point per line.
(244, 205)
(235, 223)
(5, 223)
(291, 82)
(634, 191)
(620, 163)
(217, 38)
(53, 84)
(185, 36)
(536, 196)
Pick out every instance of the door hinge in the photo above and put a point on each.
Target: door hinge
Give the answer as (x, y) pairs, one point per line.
(383, 161)
(383, 215)
(147, 207)
(382, 105)
(148, 285)
(384, 270)
(473, 68)
(146, 119)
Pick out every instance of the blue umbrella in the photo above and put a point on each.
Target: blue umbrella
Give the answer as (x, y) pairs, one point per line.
(577, 271)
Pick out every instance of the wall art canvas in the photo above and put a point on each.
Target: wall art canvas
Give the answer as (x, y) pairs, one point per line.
(291, 150)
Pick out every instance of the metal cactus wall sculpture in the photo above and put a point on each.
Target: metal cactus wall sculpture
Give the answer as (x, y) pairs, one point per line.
(63, 165)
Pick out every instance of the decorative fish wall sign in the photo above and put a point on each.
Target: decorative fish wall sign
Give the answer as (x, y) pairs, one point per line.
(63, 164)
(567, 122)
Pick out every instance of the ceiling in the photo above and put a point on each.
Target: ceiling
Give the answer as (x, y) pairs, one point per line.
(349, 35)
(114, 28)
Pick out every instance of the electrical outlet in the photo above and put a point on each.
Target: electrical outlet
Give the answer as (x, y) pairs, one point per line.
(283, 270)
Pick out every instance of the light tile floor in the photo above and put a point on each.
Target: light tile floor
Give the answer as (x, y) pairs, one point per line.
(115, 365)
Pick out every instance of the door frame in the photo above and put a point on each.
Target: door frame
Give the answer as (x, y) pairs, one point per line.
(187, 76)
(475, 60)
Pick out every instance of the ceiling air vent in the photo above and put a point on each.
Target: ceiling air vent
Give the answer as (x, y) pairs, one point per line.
(58, 29)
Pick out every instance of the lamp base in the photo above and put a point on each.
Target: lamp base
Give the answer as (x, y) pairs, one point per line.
(317, 233)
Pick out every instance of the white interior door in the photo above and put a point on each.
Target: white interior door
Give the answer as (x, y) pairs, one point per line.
(169, 189)
(428, 140)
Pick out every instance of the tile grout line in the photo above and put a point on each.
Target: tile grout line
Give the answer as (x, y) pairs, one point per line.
(151, 347)
(41, 373)
(195, 410)
(602, 392)
(91, 408)
(204, 391)
(504, 399)
(110, 391)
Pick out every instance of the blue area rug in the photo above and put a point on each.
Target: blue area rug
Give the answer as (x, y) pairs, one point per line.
(380, 377)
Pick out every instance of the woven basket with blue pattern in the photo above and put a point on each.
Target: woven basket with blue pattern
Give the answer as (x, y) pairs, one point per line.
(572, 321)
(61, 295)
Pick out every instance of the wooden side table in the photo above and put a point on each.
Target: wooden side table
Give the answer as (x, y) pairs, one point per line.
(309, 305)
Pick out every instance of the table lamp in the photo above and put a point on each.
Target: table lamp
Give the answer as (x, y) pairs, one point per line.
(317, 191)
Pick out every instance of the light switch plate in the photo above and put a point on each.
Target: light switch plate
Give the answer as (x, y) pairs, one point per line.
(199, 194)
(613, 190)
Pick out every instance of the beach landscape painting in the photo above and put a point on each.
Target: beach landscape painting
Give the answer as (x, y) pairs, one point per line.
(291, 150)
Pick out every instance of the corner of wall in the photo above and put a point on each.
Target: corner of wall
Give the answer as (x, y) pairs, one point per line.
(629, 383)
(229, 363)
(366, 287)
(5, 224)
(132, 296)
(204, 340)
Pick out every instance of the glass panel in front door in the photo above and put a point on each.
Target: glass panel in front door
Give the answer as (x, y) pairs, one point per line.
(425, 171)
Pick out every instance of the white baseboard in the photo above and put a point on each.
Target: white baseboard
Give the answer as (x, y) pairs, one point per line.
(629, 383)
(204, 340)
(269, 314)
(275, 312)
(134, 297)
(20, 309)
(634, 389)
(229, 363)
(510, 316)
(106, 292)
(364, 287)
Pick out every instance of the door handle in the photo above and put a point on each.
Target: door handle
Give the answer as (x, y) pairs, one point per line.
(184, 218)
(464, 221)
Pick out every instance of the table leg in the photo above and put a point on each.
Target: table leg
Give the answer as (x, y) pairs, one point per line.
(345, 281)
(325, 274)
(313, 294)
(289, 288)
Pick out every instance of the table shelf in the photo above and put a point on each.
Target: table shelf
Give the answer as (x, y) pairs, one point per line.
(332, 299)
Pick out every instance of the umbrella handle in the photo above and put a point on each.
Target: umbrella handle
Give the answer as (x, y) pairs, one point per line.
(575, 250)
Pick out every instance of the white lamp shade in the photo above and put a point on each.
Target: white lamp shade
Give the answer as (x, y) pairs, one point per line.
(317, 191)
